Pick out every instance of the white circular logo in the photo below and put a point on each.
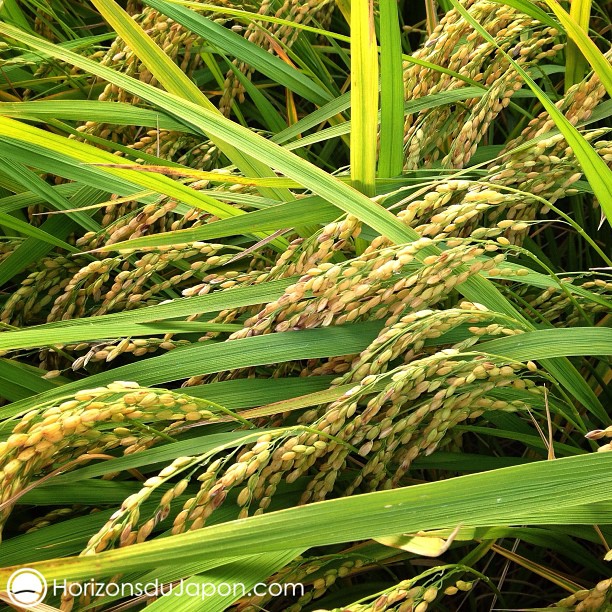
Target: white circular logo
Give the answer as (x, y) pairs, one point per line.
(26, 587)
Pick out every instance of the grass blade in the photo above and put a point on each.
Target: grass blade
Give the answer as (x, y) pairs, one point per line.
(235, 46)
(575, 63)
(176, 81)
(576, 31)
(364, 97)
(546, 492)
(391, 156)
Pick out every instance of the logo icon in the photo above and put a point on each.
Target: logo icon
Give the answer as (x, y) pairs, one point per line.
(26, 587)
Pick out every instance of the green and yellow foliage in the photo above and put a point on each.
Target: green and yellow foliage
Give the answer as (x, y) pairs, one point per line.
(308, 292)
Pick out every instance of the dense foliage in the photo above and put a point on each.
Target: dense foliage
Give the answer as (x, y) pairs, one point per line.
(256, 255)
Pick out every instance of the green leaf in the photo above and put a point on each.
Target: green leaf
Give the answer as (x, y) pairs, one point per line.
(391, 156)
(133, 322)
(32, 249)
(80, 154)
(412, 106)
(572, 490)
(19, 380)
(117, 113)
(34, 232)
(549, 343)
(176, 81)
(576, 30)
(575, 63)
(531, 9)
(32, 182)
(364, 97)
(306, 211)
(236, 46)
(207, 358)
(243, 574)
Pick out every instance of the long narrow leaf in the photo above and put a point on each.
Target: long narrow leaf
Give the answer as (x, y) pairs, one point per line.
(207, 358)
(391, 156)
(575, 63)
(548, 492)
(364, 97)
(175, 81)
(577, 33)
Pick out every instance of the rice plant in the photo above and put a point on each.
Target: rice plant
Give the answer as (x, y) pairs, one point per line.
(306, 305)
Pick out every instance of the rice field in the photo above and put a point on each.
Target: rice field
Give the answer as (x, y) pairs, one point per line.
(305, 306)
